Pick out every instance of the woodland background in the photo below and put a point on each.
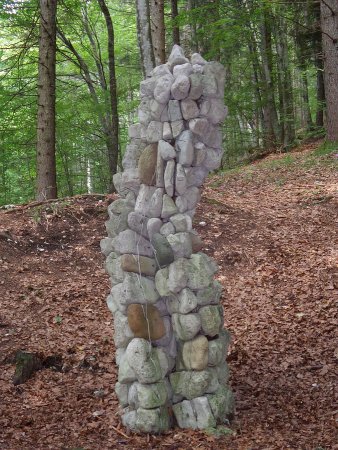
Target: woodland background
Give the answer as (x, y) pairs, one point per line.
(272, 51)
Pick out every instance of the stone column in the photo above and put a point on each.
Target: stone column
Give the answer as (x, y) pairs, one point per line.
(169, 336)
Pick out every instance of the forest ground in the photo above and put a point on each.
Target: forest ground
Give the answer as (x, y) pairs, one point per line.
(271, 226)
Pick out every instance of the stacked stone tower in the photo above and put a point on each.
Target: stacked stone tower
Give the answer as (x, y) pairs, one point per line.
(169, 336)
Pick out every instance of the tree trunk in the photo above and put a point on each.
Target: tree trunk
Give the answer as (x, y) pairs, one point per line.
(271, 131)
(157, 30)
(176, 30)
(46, 165)
(329, 26)
(113, 136)
(285, 83)
(144, 37)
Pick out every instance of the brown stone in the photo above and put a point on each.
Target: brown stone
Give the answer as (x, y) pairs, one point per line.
(145, 321)
(147, 165)
(138, 264)
(196, 243)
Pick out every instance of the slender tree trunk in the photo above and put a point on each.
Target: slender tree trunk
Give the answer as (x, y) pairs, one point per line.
(46, 165)
(285, 83)
(176, 30)
(193, 41)
(144, 37)
(320, 93)
(329, 26)
(269, 106)
(157, 30)
(113, 136)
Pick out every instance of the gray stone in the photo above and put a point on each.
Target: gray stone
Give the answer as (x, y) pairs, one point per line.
(126, 374)
(156, 110)
(216, 352)
(189, 384)
(211, 320)
(209, 85)
(196, 86)
(114, 269)
(213, 109)
(199, 126)
(204, 415)
(184, 415)
(213, 138)
(153, 226)
(152, 395)
(186, 326)
(159, 71)
(133, 396)
(188, 200)
(180, 87)
(169, 208)
(161, 282)
(213, 381)
(196, 176)
(166, 150)
(174, 110)
(176, 57)
(129, 241)
(200, 154)
(122, 393)
(163, 87)
(152, 420)
(195, 353)
(154, 131)
(114, 299)
(165, 114)
(165, 363)
(222, 373)
(180, 244)
(159, 171)
(138, 264)
(144, 111)
(129, 419)
(134, 131)
(166, 339)
(181, 222)
(138, 222)
(169, 177)
(216, 69)
(176, 128)
(143, 359)
(181, 203)
(189, 108)
(138, 289)
(221, 403)
(183, 303)
(149, 201)
(177, 276)
(181, 181)
(167, 228)
(182, 69)
(196, 58)
(209, 295)
(107, 245)
(184, 145)
(197, 68)
(167, 133)
(196, 241)
(213, 159)
(130, 180)
(162, 250)
(147, 87)
(119, 355)
(200, 272)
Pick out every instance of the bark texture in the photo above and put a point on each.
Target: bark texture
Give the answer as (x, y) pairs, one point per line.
(144, 37)
(158, 30)
(46, 166)
(176, 30)
(329, 25)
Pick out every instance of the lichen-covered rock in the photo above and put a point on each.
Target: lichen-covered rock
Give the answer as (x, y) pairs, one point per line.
(163, 252)
(122, 393)
(163, 87)
(152, 395)
(147, 165)
(167, 228)
(123, 334)
(166, 150)
(138, 264)
(138, 289)
(181, 222)
(152, 420)
(126, 374)
(186, 326)
(222, 403)
(195, 353)
(168, 207)
(200, 272)
(185, 415)
(190, 384)
(161, 282)
(211, 320)
(203, 412)
(180, 244)
(185, 147)
(129, 241)
(143, 359)
(169, 174)
(183, 303)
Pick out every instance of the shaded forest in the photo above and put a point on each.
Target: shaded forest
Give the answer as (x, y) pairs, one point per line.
(279, 56)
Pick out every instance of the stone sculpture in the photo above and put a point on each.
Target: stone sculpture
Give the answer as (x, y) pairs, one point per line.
(169, 336)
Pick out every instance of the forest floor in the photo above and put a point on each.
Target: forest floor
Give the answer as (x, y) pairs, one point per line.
(271, 226)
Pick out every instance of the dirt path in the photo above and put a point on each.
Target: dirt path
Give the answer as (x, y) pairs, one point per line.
(271, 226)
